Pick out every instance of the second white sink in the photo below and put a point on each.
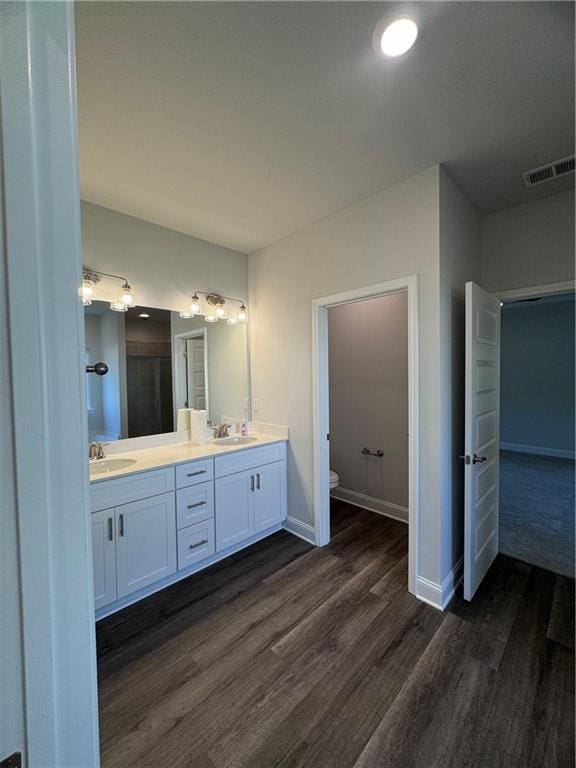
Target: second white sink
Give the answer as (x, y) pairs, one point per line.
(102, 466)
(240, 440)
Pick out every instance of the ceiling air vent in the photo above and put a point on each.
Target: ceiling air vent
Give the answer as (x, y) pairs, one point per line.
(548, 172)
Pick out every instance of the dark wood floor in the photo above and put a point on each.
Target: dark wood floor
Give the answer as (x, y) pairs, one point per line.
(289, 656)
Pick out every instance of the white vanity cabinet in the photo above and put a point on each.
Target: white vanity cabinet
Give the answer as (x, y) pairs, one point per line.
(152, 528)
(252, 500)
(104, 557)
(145, 542)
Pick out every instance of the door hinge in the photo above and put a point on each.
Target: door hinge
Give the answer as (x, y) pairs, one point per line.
(466, 459)
(328, 436)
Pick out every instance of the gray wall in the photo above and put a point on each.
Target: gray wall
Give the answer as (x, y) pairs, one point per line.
(537, 379)
(368, 353)
(164, 267)
(528, 245)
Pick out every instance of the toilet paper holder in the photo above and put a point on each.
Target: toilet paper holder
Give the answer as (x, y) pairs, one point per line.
(368, 452)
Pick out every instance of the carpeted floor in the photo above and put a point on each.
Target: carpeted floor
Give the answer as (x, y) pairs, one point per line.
(537, 510)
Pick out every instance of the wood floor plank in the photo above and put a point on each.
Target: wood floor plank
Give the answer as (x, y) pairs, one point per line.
(561, 624)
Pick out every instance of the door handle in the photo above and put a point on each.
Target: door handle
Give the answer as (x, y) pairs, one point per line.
(110, 530)
(121, 523)
(198, 504)
(258, 480)
(479, 459)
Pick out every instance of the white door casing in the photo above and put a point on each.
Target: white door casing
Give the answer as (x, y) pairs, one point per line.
(482, 435)
(196, 373)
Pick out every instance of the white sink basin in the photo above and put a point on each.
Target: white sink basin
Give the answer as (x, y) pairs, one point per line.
(102, 466)
(234, 440)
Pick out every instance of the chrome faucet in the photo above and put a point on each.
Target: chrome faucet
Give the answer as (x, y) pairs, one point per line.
(96, 451)
(221, 431)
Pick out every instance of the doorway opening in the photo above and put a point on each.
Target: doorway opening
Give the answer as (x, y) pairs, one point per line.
(365, 406)
(537, 431)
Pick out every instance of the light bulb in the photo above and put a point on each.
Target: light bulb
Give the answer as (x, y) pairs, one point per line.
(126, 297)
(232, 321)
(398, 37)
(186, 315)
(220, 311)
(87, 289)
(118, 306)
(195, 305)
(243, 314)
(211, 319)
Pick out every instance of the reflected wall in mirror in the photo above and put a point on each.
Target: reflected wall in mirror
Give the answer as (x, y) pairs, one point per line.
(158, 363)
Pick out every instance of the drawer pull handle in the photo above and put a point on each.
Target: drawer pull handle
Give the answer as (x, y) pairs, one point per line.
(198, 544)
(110, 530)
(193, 474)
(258, 480)
(121, 521)
(252, 483)
(198, 504)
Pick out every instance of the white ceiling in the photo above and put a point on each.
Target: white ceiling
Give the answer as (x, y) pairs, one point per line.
(242, 122)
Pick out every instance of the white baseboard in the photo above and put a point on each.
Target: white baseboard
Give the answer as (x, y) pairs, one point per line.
(386, 508)
(538, 450)
(300, 529)
(439, 595)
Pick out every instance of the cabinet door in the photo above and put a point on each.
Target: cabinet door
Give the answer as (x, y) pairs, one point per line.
(234, 509)
(270, 495)
(145, 542)
(104, 557)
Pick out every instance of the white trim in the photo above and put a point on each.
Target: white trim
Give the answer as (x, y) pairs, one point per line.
(179, 342)
(440, 595)
(300, 529)
(534, 291)
(379, 506)
(47, 350)
(321, 419)
(538, 450)
(174, 578)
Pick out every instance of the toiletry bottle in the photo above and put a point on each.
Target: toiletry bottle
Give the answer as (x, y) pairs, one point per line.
(244, 429)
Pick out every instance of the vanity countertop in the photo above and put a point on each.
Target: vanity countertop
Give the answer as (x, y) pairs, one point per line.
(144, 459)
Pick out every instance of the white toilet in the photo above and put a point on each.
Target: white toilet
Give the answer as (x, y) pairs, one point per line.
(334, 480)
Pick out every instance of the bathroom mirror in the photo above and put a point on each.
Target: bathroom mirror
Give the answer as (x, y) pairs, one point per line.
(158, 363)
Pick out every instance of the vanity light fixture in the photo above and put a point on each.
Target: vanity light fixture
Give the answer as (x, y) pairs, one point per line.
(91, 277)
(218, 309)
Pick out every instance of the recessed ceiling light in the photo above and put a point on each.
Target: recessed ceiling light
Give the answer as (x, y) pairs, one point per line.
(398, 37)
(143, 315)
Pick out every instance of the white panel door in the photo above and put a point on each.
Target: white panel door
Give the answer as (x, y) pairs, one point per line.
(145, 542)
(482, 435)
(103, 557)
(196, 373)
(234, 508)
(270, 495)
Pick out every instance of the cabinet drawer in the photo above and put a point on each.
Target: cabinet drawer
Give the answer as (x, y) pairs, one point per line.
(195, 543)
(122, 490)
(194, 472)
(249, 459)
(194, 504)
